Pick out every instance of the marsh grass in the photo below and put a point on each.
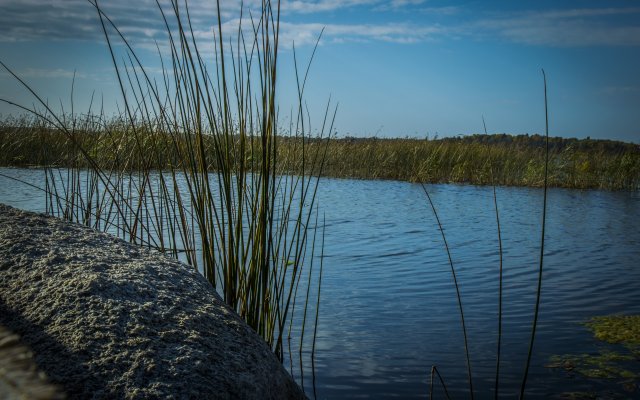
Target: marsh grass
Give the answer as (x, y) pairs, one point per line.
(489, 159)
(503, 160)
(192, 166)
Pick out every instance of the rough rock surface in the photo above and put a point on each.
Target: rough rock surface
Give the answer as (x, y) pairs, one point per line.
(107, 319)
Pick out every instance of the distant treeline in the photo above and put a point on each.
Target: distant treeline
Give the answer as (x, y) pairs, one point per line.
(515, 160)
(555, 143)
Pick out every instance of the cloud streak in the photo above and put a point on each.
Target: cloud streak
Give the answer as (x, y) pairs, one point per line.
(308, 7)
(565, 28)
(45, 73)
(395, 5)
(30, 20)
(303, 34)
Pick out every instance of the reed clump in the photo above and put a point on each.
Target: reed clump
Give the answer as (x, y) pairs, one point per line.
(191, 167)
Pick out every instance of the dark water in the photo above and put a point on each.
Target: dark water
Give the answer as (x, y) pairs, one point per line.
(389, 312)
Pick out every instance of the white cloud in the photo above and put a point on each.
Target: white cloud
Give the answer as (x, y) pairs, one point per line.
(24, 20)
(565, 28)
(306, 7)
(448, 10)
(404, 3)
(587, 12)
(395, 5)
(46, 73)
(303, 34)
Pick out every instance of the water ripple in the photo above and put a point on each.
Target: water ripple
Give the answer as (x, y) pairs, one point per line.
(389, 310)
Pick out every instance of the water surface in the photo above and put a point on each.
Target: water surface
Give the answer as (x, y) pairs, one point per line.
(389, 312)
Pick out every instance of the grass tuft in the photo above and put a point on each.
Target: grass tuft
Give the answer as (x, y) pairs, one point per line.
(193, 165)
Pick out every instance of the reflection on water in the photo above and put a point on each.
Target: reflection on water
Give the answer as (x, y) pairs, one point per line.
(388, 310)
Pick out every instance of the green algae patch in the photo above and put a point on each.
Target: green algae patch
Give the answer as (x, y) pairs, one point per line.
(615, 359)
(605, 365)
(623, 329)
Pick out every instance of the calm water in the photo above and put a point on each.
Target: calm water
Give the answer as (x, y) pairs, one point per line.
(389, 312)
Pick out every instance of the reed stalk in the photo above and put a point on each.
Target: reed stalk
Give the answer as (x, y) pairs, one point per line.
(193, 165)
(435, 372)
(542, 235)
(500, 278)
(458, 295)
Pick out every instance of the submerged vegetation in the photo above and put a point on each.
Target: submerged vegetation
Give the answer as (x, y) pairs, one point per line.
(624, 329)
(478, 159)
(617, 357)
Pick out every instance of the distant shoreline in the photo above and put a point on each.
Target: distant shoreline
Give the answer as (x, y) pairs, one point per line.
(500, 159)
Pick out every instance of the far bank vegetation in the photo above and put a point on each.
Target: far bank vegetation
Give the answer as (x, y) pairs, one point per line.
(476, 159)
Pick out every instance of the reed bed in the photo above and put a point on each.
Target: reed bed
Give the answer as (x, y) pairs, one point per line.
(505, 160)
(478, 159)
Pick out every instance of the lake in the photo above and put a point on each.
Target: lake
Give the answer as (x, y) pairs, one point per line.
(388, 310)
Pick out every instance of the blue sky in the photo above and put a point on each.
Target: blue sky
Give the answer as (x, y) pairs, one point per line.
(396, 68)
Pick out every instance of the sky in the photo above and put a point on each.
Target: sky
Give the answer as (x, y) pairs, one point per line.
(397, 68)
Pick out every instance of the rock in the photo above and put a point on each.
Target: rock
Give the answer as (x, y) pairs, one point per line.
(107, 319)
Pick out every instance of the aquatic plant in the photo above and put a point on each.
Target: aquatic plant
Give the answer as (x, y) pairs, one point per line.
(192, 166)
(500, 277)
(624, 329)
(617, 362)
(605, 365)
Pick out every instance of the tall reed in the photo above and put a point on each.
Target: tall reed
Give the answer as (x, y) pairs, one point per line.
(192, 166)
(538, 296)
(542, 236)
